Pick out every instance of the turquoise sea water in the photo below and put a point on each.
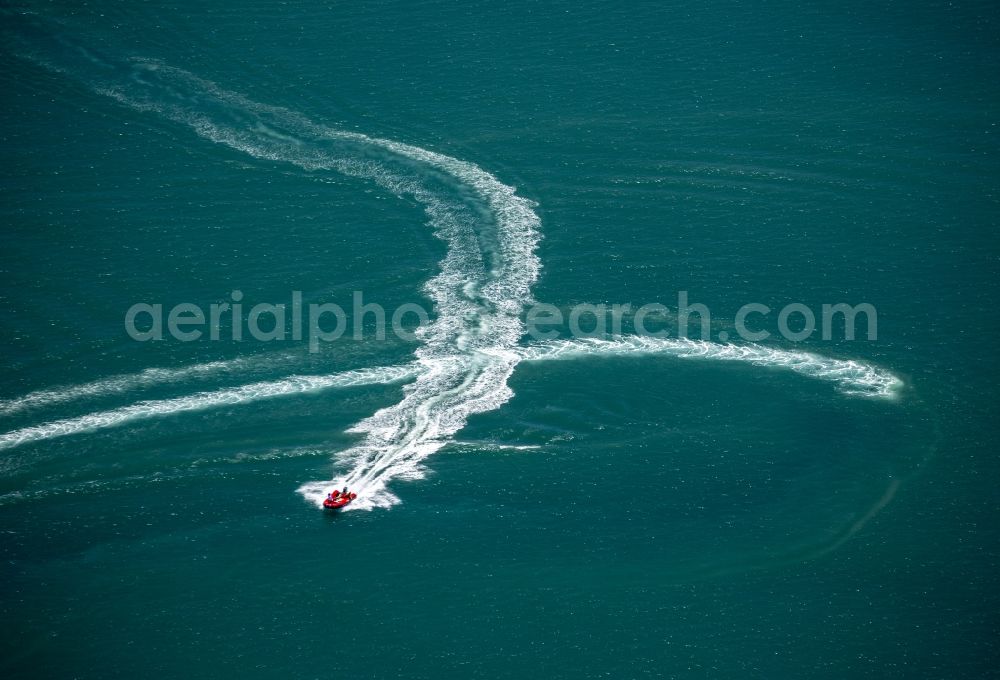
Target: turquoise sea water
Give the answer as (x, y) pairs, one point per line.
(617, 512)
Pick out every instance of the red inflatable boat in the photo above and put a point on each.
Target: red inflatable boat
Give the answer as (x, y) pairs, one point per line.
(337, 500)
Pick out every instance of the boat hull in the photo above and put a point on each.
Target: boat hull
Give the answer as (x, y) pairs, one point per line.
(337, 503)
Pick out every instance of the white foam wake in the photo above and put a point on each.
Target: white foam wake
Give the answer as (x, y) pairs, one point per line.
(850, 376)
(298, 384)
(119, 384)
(479, 292)
(471, 348)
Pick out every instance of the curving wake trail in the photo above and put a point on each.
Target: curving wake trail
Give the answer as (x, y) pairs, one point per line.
(466, 354)
(851, 377)
(119, 384)
(159, 408)
(480, 290)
